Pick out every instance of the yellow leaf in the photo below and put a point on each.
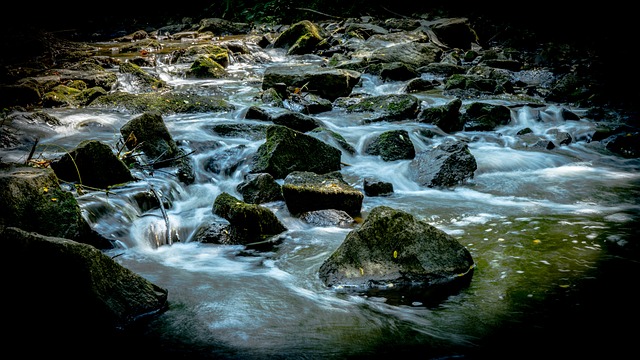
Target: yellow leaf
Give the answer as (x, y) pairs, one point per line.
(361, 271)
(54, 199)
(395, 254)
(536, 241)
(45, 189)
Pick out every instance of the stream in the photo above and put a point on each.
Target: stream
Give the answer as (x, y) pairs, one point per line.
(551, 232)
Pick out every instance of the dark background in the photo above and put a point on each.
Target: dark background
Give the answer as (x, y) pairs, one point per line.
(607, 31)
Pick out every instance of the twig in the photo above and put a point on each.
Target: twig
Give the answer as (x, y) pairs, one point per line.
(168, 161)
(394, 13)
(164, 215)
(319, 13)
(33, 149)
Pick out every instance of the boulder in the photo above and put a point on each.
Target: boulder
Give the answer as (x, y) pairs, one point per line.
(392, 145)
(303, 37)
(397, 71)
(141, 80)
(297, 121)
(446, 117)
(393, 250)
(391, 107)
(305, 191)
(332, 138)
(373, 187)
(204, 67)
(260, 188)
(471, 84)
(64, 295)
(249, 223)
(454, 32)
(149, 134)
(31, 199)
(446, 165)
(286, 150)
(93, 164)
(480, 116)
(325, 82)
(414, 54)
(161, 102)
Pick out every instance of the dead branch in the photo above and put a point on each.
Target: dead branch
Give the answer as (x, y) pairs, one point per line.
(320, 13)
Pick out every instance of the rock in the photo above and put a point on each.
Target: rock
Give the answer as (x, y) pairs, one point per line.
(161, 102)
(480, 116)
(326, 83)
(243, 130)
(308, 191)
(250, 223)
(31, 199)
(260, 188)
(61, 291)
(412, 53)
(373, 187)
(297, 121)
(393, 250)
(397, 71)
(454, 32)
(141, 80)
(392, 107)
(625, 145)
(471, 84)
(328, 217)
(287, 150)
(93, 164)
(149, 134)
(203, 67)
(303, 37)
(418, 85)
(445, 165)
(446, 117)
(392, 145)
(332, 138)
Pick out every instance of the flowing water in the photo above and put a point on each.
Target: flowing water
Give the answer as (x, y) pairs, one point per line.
(552, 233)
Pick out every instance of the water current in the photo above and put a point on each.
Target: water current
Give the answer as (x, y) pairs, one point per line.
(549, 230)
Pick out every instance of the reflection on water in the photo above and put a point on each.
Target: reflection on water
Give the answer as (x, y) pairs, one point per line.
(551, 232)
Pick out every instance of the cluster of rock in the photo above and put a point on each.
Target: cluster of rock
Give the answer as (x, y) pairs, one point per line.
(389, 249)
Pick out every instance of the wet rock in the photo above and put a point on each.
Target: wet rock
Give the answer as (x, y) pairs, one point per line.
(374, 187)
(392, 249)
(31, 199)
(286, 150)
(69, 290)
(324, 82)
(445, 165)
(149, 134)
(93, 164)
(140, 79)
(332, 138)
(307, 191)
(249, 223)
(392, 107)
(260, 188)
(392, 145)
(303, 37)
(446, 117)
(480, 116)
(161, 102)
(328, 217)
(297, 121)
